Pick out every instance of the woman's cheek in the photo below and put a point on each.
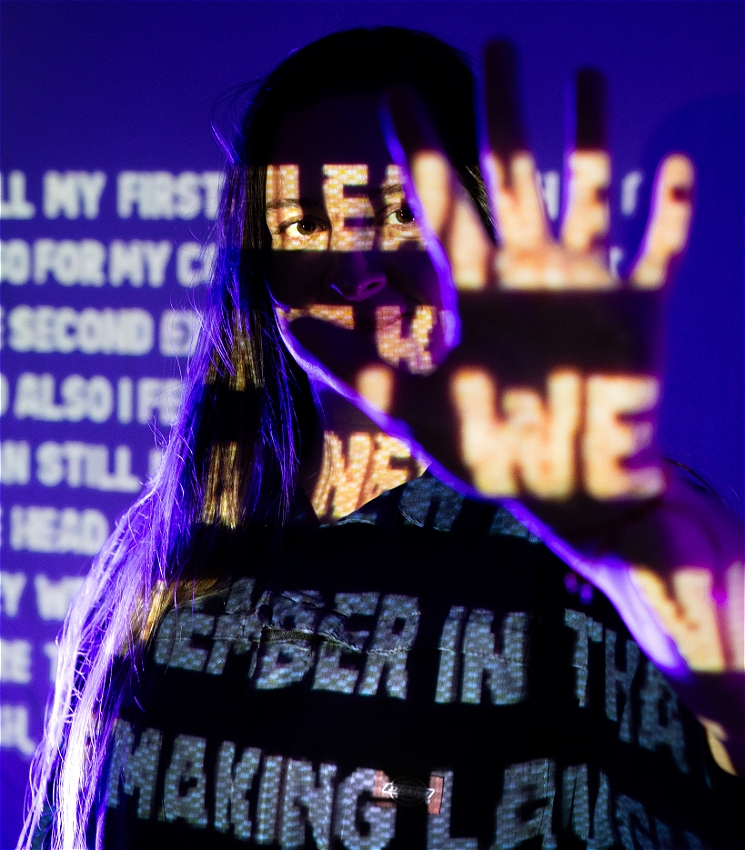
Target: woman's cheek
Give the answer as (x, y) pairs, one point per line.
(299, 278)
(411, 273)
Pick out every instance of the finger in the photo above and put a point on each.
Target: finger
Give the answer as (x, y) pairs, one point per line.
(591, 107)
(452, 228)
(504, 120)
(587, 217)
(670, 223)
(517, 204)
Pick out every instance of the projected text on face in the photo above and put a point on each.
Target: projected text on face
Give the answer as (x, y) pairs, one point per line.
(351, 216)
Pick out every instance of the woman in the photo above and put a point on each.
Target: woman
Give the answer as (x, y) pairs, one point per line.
(234, 672)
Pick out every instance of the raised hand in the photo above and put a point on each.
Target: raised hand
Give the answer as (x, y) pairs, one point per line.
(524, 370)
(562, 402)
(529, 371)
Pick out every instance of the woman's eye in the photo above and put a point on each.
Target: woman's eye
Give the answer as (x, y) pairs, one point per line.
(399, 227)
(300, 233)
(405, 215)
(401, 215)
(303, 227)
(307, 226)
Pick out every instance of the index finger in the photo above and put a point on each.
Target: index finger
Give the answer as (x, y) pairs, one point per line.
(587, 218)
(516, 199)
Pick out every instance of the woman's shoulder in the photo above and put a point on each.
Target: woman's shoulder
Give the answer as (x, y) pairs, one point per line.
(429, 503)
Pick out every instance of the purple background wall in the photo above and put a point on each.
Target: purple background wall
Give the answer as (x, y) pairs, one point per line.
(128, 86)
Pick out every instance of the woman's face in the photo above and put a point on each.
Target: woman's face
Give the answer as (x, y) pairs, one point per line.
(346, 248)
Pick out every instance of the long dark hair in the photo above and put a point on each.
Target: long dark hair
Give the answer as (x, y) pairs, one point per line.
(231, 463)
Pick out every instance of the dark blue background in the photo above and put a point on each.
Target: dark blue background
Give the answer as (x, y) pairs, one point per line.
(130, 85)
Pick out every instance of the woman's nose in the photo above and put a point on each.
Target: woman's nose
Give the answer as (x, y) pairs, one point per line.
(355, 277)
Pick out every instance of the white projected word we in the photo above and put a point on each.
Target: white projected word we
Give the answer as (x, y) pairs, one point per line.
(53, 598)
